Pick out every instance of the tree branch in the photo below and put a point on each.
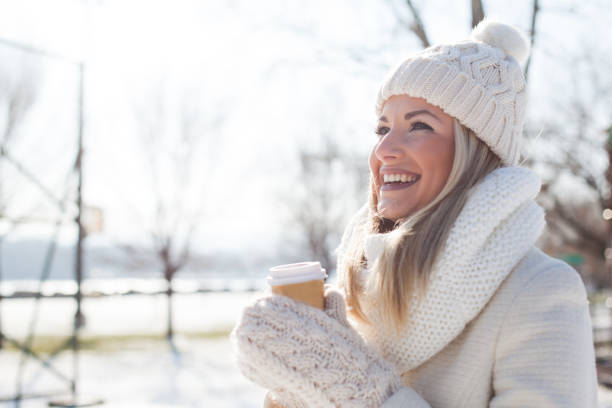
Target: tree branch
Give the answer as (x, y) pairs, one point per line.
(417, 26)
(532, 34)
(477, 12)
(595, 243)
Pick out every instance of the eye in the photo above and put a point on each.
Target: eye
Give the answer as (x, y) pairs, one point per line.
(420, 126)
(381, 130)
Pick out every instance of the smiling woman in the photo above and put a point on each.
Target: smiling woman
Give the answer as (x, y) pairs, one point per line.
(449, 301)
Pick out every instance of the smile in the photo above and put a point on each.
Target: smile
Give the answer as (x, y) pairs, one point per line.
(398, 182)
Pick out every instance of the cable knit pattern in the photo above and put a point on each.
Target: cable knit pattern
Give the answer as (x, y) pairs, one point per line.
(473, 81)
(310, 357)
(499, 223)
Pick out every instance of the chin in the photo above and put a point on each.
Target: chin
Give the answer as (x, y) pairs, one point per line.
(393, 210)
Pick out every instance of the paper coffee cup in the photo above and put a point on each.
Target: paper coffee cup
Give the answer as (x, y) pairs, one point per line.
(301, 281)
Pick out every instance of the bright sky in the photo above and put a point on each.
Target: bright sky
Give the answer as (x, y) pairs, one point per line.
(274, 72)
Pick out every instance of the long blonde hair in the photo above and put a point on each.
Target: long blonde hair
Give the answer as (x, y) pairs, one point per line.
(416, 240)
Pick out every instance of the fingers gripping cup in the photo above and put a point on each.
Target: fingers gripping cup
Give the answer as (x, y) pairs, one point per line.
(301, 281)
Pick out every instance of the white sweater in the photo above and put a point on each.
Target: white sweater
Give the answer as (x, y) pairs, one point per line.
(531, 346)
(503, 324)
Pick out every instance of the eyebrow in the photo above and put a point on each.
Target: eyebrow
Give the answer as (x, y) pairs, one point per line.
(410, 115)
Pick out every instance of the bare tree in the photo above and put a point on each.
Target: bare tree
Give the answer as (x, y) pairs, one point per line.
(331, 183)
(582, 146)
(172, 136)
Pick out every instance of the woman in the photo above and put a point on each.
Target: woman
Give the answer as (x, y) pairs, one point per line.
(450, 303)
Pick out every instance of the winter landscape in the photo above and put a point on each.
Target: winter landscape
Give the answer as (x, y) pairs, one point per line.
(157, 158)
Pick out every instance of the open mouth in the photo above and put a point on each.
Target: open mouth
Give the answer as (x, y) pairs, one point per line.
(398, 181)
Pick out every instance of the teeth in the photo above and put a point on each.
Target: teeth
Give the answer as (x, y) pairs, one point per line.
(392, 178)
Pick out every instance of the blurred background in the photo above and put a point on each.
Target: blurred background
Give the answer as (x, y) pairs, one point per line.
(157, 157)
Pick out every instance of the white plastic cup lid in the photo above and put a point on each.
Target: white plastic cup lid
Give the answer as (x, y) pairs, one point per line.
(295, 273)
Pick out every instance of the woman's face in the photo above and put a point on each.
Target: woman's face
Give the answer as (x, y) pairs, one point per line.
(413, 155)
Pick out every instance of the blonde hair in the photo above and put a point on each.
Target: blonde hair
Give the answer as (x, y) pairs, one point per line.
(415, 241)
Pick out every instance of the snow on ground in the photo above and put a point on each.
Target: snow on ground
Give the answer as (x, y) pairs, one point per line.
(131, 371)
(138, 371)
(202, 374)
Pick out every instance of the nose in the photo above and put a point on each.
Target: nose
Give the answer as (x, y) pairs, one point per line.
(389, 148)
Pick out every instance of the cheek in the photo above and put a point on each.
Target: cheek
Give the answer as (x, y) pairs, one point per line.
(440, 160)
(449, 151)
(442, 146)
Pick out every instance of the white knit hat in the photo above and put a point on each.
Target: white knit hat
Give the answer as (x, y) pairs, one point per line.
(477, 81)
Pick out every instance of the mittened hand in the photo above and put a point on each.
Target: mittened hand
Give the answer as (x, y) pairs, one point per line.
(335, 307)
(313, 358)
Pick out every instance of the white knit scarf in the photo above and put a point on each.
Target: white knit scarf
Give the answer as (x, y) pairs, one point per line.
(499, 223)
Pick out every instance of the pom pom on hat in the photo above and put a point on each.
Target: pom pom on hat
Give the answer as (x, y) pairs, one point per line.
(503, 36)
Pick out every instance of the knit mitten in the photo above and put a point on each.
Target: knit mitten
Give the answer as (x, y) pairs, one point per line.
(311, 358)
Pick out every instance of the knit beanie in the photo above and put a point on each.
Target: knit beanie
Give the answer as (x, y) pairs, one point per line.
(477, 81)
